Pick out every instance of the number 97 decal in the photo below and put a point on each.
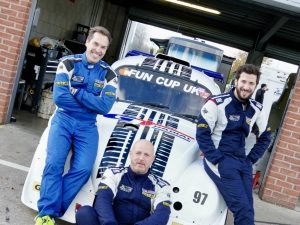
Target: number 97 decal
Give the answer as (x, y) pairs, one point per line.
(200, 197)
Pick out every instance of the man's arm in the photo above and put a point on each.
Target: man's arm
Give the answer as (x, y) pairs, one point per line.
(161, 204)
(62, 96)
(263, 139)
(104, 199)
(103, 103)
(206, 124)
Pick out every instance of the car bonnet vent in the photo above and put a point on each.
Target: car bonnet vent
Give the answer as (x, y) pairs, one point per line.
(149, 62)
(186, 72)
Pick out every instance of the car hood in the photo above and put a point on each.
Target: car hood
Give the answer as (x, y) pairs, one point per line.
(172, 137)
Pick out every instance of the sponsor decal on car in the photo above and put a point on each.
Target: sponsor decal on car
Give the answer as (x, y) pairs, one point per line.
(36, 186)
(163, 80)
(152, 125)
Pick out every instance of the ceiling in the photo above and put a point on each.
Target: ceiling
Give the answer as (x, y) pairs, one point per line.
(272, 28)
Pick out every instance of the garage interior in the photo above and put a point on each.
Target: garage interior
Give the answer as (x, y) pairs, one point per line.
(259, 28)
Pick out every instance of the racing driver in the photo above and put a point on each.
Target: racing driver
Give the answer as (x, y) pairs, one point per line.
(224, 123)
(84, 87)
(130, 195)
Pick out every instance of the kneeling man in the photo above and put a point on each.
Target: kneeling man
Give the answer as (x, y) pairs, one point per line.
(130, 195)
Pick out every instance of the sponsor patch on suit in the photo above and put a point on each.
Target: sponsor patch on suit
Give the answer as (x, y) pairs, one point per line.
(234, 118)
(125, 188)
(78, 78)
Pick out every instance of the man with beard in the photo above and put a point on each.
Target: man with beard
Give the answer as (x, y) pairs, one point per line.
(224, 123)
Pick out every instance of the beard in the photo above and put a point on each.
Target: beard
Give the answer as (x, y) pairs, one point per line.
(242, 94)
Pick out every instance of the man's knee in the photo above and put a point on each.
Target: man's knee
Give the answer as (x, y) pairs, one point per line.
(86, 215)
(81, 170)
(85, 172)
(84, 211)
(53, 168)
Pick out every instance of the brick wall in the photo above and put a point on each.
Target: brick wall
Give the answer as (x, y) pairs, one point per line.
(282, 185)
(14, 16)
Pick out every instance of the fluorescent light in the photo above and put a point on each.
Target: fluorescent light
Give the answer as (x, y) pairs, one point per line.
(193, 6)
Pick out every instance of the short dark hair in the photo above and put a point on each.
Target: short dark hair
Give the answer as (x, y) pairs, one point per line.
(250, 69)
(101, 30)
(263, 85)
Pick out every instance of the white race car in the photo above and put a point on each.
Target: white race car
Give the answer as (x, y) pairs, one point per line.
(158, 99)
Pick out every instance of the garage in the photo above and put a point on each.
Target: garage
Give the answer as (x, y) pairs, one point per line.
(252, 26)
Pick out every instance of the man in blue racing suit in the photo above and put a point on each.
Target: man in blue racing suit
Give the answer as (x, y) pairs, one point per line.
(84, 87)
(130, 195)
(224, 123)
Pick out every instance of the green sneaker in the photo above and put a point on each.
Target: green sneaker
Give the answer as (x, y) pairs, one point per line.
(38, 220)
(44, 220)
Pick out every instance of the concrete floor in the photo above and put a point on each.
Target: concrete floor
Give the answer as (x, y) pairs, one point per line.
(18, 142)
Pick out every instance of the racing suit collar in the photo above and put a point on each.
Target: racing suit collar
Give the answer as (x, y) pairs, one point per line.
(136, 176)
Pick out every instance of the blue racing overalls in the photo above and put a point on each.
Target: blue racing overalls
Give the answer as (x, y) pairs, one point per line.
(127, 198)
(223, 125)
(81, 91)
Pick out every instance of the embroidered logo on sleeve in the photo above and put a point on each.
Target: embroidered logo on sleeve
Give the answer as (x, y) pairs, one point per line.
(102, 187)
(61, 83)
(202, 125)
(99, 83)
(148, 193)
(167, 204)
(109, 93)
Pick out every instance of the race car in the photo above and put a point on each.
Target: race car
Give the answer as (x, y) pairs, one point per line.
(158, 99)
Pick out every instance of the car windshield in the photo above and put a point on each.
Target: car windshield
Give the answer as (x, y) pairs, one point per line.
(168, 92)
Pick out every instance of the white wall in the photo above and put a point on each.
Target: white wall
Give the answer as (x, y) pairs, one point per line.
(275, 80)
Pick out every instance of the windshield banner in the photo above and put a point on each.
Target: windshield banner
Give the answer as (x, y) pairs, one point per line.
(166, 80)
